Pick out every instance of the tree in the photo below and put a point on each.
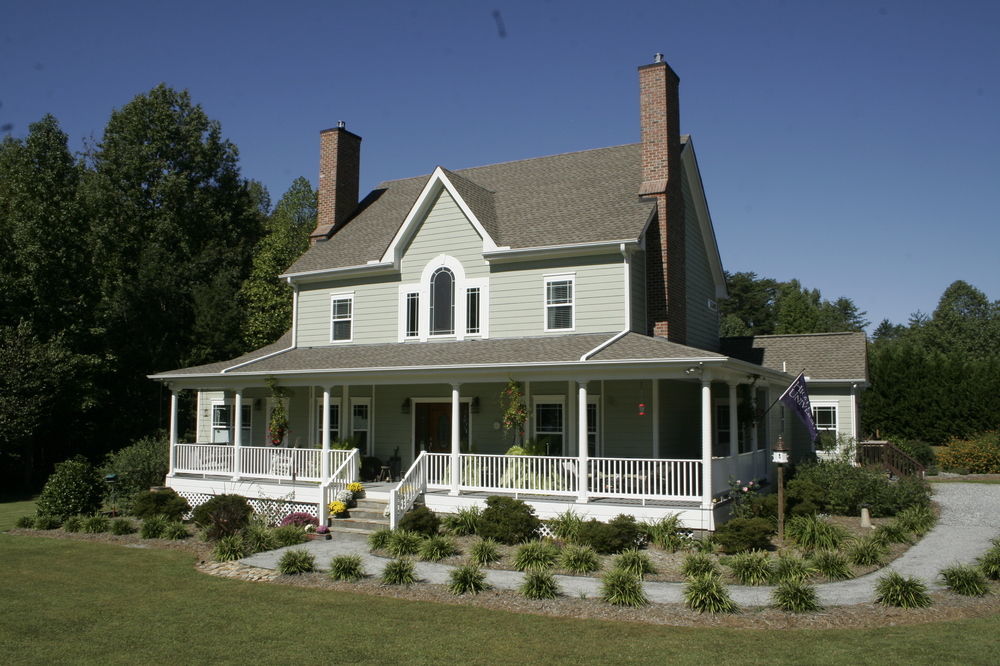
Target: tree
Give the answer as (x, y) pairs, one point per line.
(268, 301)
(965, 321)
(752, 302)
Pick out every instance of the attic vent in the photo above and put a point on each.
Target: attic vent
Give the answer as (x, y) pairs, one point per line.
(713, 306)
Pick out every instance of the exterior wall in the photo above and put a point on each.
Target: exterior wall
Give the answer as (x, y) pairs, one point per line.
(702, 322)
(626, 433)
(445, 231)
(680, 419)
(638, 292)
(840, 397)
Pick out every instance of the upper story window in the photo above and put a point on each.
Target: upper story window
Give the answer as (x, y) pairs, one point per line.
(559, 302)
(472, 311)
(341, 317)
(412, 314)
(442, 289)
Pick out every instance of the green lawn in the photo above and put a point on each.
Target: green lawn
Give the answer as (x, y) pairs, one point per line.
(74, 601)
(11, 511)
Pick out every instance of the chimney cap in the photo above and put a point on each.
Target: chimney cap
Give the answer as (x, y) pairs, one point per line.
(657, 58)
(341, 124)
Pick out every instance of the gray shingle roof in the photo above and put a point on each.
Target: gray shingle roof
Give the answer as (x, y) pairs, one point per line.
(822, 355)
(588, 196)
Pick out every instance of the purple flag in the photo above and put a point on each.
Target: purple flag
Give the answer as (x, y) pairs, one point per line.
(796, 398)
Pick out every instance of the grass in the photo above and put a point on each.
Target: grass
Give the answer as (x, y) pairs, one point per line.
(68, 586)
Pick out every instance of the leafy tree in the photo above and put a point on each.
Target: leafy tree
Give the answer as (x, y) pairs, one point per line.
(965, 321)
(267, 300)
(751, 302)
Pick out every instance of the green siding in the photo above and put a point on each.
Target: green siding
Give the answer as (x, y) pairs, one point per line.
(445, 230)
(626, 433)
(702, 322)
(680, 419)
(638, 292)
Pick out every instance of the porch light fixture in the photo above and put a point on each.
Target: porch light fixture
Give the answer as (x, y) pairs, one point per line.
(474, 405)
(405, 407)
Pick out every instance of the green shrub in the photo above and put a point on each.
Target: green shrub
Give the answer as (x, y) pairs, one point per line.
(347, 568)
(789, 567)
(463, 523)
(121, 526)
(153, 527)
(258, 538)
(893, 589)
(485, 552)
(989, 563)
(611, 537)
(891, 533)
(175, 531)
(288, 535)
(901, 494)
(705, 593)
(697, 564)
(706, 544)
(579, 560)
(508, 520)
(379, 539)
(622, 588)
(764, 506)
(74, 488)
(813, 532)
(403, 543)
(436, 548)
(831, 564)
(634, 561)
(161, 503)
(73, 524)
(294, 562)
(917, 449)
(803, 496)
(420, 520)
(96, 524)
(536, 556)
(229, 547)
(467, 579)
(916, 519)
(540, 585)
(142, 464)
(795, 596)
(222, 515)
(742, 534)
(965, 580)
(25, 522)
(667, 533)
(867, 552)
(980, 454)
(46, 523)
(752, 567)
(846, 487)
(399, 572)
(566, 525)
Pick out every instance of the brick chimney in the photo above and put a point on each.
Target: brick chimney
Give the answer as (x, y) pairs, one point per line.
(339, 175)
(666, 297)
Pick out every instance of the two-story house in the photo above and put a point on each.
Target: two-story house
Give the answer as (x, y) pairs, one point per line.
(591, 279)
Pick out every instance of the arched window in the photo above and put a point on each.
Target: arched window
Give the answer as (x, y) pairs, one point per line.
(442, 302)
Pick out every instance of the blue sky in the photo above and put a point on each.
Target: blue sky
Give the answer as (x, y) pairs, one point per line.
(852, 145)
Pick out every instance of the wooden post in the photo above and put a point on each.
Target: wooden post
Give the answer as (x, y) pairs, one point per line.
(781, 502)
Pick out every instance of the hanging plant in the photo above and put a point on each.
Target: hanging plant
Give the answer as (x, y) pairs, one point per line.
(513, 411)
(277, 426)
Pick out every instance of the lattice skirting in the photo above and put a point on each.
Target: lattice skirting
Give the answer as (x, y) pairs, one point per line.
(271, 510)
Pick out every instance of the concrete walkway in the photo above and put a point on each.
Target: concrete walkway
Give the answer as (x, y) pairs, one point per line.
(970, 517)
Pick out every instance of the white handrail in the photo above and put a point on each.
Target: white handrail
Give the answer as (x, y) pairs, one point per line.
(345, 474)
(410, 487)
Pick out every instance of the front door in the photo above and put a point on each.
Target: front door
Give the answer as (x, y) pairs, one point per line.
(432, 427)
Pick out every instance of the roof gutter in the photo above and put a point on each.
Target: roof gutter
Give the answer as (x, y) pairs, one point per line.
(295, 312)
(370, 267)
(547, 251)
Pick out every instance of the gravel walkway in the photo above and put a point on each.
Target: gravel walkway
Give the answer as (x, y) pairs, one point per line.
(970, 517)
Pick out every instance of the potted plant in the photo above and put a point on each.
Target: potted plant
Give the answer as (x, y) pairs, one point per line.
(338, 509)
(357, 489)
(320, 532)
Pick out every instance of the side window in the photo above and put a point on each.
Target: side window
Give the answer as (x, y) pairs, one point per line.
(334, 421)
(360, 428)
(559, 303)
(412, 304)
(549, 424)
(472, 311)
(341, 318)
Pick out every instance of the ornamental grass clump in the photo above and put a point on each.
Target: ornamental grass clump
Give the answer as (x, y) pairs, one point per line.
(44, 522)
(420, 520)
(831, 564)
(536, 556)
(789, 567)
(467, 579)
(463, 523)
(580, 560)
(705, 593)
(96, 524)
(891, 533)
(566, 525)
(288, 535)
(399, 572)
(436, 548)
(485, 552)
(916, 519)
(966, 580)
(227, 548)
(347, 568)
(867, 552)
(295, 562)
(403, 543)
(698, 564)
(539, 585)
(25, 523)
(379, 539)
(175, 531)
(73, 524)
(667, 533)
(989, 563)
(121, 526)
(811, 532)
(635, 561)
(895, 590)
(795, 596)
(752, 567)
(622, 588)
(258, 538)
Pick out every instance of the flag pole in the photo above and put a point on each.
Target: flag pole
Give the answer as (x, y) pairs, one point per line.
(775, 401)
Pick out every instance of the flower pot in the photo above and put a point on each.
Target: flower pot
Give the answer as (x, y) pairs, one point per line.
(314, 536)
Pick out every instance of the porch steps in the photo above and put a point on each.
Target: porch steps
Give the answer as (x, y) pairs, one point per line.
(367, 517)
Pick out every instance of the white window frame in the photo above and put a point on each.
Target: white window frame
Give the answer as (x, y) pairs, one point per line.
(423, 290)
(547, 280)
(538, 400)
(404, 309)
(479, 310)
(835, 406)
(595, 399)
(318, 416)
(343, 296)
(246, 425)
(744, 437)
(369, 443)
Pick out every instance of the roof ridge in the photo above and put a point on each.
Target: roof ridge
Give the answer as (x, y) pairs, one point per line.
(790, 335)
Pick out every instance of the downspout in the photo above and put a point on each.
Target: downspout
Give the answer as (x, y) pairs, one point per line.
(628, 309)
(295, 318)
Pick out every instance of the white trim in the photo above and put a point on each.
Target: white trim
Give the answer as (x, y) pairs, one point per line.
(228, 402)
(627, 265)
(607, 343)
(405, 290)
(369, 268)
(342, 296)
(367, 402)
(506, 254)
(558, 277)
(690, 163)
(317, 419)
(814, 404)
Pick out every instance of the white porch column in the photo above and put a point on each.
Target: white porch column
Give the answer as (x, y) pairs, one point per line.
(528, 428)
(324, 464)
(581, 434)
(706, 440)
(237, 433)
(346, 413)
(656, 417)
(456, 451)
(734, 432)
(173, 431)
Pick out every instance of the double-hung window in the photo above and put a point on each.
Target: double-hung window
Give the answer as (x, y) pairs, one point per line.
(825, 417)
(559, 302)
(334, 421)
(222, 424)
(341, 317)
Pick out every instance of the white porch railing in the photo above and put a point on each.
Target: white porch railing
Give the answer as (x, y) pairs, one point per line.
(513, 474)
(204, 459)
(346, 472)
(410, 487)
(645, 478)
(744, 467)
(261, 462)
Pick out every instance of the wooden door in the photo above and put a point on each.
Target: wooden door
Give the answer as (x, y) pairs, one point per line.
(432, 427)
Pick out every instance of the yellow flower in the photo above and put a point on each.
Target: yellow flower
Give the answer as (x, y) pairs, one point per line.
(355, 487)
(336, 507)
